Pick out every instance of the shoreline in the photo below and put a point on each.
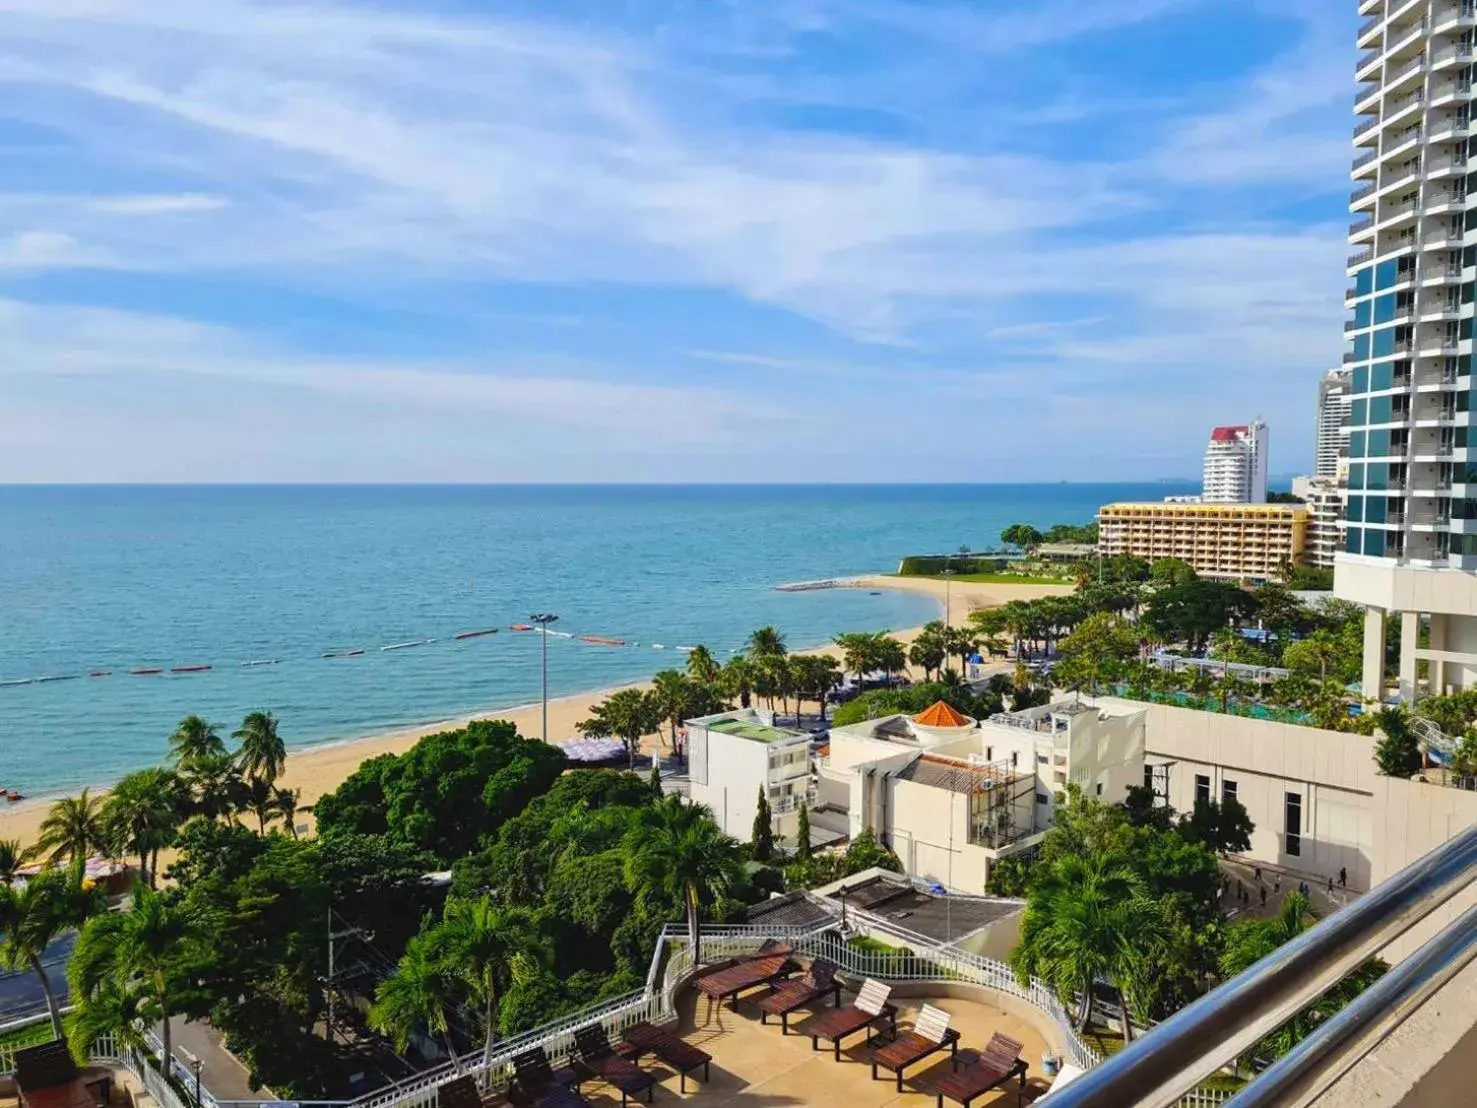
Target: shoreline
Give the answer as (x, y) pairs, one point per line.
(318, 768)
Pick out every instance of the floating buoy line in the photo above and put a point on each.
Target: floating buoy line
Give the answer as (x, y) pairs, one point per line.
(334, 654)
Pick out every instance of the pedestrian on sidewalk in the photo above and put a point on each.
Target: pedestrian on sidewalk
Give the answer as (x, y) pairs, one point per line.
(1343, 878)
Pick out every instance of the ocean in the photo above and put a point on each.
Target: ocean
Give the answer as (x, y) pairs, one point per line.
(117, 578)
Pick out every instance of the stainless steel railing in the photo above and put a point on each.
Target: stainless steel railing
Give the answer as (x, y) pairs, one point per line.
(1158, 1069)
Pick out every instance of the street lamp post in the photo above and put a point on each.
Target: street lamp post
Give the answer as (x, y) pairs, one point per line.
(543, 619)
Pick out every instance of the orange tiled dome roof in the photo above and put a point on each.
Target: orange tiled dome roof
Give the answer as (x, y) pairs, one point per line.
(942, 715)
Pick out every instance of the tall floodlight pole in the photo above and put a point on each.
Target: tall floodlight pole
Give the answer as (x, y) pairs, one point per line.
(543, 619)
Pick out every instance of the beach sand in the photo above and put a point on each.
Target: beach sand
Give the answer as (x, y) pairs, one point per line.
(316, 770)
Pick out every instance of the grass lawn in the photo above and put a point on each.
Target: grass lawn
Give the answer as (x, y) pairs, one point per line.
(995, 578)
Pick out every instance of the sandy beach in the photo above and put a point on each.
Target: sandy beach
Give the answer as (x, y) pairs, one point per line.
(320, 769)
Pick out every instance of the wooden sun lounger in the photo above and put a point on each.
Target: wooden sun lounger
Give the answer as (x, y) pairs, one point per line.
(541, 1084)
(47, 1077)
(801, 992)
(459, 1092)
(682, 1056)
(598, 1059)
(867, 1014)
(931, 1033)
(763, 968)
(1000, 1062)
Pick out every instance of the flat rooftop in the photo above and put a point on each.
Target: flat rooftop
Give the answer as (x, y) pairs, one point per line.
(754, 1066)
(941, 918)
(755, 731)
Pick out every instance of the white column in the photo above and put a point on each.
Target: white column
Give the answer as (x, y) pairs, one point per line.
(1374, 653)
(1438, 642)
(1410, 631)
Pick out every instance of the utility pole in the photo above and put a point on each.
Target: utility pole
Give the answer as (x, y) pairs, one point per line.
(333, 936)
(543, 619)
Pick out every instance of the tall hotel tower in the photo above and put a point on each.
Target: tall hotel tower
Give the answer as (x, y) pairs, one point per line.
(1411, 542)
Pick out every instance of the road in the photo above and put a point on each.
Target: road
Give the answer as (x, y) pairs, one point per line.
(225, 1077)
(20, 992)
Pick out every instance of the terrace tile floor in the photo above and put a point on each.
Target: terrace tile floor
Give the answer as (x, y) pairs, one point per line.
(755, 1067)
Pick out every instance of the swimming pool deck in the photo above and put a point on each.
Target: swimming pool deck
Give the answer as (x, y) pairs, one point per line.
(754, 1066)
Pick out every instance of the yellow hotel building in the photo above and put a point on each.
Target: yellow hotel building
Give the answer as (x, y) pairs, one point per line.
(1229, 542)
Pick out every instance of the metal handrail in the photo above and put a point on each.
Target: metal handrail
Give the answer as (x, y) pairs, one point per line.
(1312, 1067)
(1158, 1069)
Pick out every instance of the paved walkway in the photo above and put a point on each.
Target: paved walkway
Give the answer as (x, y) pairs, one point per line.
(225, 1077)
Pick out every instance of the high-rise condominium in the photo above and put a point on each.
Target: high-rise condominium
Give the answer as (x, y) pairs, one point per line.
(1411, 541)
(1236, 465)
(1333, 424)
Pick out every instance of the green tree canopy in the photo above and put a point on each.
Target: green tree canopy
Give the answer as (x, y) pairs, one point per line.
(626, 714)
(1022, 536)
(1097, 651)
(1193, 611)
(446, 792)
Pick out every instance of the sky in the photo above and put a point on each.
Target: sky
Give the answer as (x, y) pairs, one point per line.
(665, 240)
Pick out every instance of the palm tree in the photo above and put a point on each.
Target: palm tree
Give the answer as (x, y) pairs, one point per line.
(766, 642)
(676, 851)
(139, 952)
(12, 857)
(626, 714)
(702, 667)
(672, 693)
(485, 942)
(33, 915)
(928, 650)
(1087, 919)
(858, 652)
(738, 678)
(961, 643)
(259, 797)
(219, 789)
(285, 801)
(262, 753)
(815, 676)
(124, 1013)
(72, 829)
(890, 656)
(195, 740)
(421, 992)
(142, 816)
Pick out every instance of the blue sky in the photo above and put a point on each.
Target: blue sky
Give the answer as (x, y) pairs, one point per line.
(671, 240)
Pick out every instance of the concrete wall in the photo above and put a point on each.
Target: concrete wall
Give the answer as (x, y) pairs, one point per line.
(1106, 756)
(923, 819)
(736, 769)
(1332, 771)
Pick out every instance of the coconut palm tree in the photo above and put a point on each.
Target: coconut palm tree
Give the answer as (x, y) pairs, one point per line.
(124, 1013)
(286, 803)
(738, 678)
(815, 676)
(72, 829)
(890, 656)
(702, 667)
(261, 753)
(139, 952)
(195, 740)
(672, 692)
(12, 857)
(929, 650)
(766, 642)
(858, 653)
(34, 915)
(1087, 919)
(259, 797)
(626, 714)
(218, 788)
(142, 816)
(422, 991)
(677, 852)
(485, 942)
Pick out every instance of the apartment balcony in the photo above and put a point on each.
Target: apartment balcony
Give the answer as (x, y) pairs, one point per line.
(1367, 37)
(1366, 127)
(1452, 18)
(1434, 379)
(1364, 165)
(1438, 237)
(1401, 142)
(1453, 92)
(1362, 230)
(1438, 168)
(1400, 40)
(1402, 111)
(1399, 78)
(1367, 66)
(1399, 9)
(1362, 197)
(1439, 311)
(1396, 217)
(1448, 129)
(1449, 59)
(1434, 275)
(1436, 346)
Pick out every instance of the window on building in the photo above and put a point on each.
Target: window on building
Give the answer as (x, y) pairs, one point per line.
(1228, 790)
(1148, 777)
(1042, 759)
(1042, 798)
(1202, 789)
(1100, 788)
(1292, 825)
(989, 753)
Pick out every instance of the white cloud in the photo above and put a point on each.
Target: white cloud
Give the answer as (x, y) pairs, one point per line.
(179, 204)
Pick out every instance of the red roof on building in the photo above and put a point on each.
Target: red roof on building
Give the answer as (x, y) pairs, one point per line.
(1226, 434)
(942, 715)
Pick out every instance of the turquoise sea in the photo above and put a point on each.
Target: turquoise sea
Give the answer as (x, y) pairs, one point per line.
(116, 578)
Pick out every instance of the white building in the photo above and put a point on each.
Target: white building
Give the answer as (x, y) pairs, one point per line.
(732, 755)
(1236, 465)
(1410, 542)
(1331, 447)
(951, 795)
(1325, 500)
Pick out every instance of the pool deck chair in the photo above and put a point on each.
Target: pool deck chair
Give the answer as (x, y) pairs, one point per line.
(867, 1013)
(543, 1086)
(598, 1059)
(1000, 1061)
(931, 1033)
(801, 992)
(771, 963)
(646, 1038)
